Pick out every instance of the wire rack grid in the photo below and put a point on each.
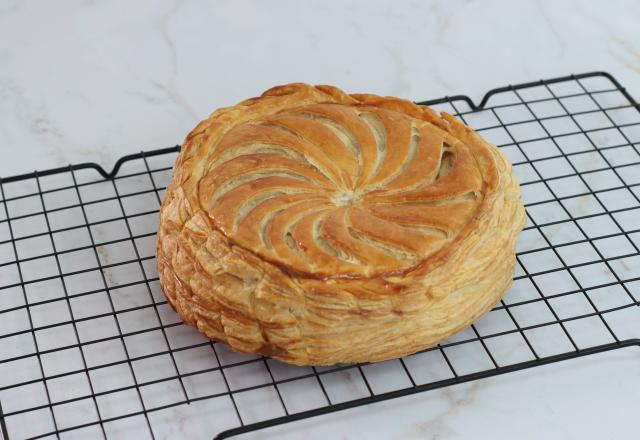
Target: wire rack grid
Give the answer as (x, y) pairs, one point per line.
(89, 347)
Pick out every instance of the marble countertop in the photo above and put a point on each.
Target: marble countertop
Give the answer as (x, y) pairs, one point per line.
(86, 81)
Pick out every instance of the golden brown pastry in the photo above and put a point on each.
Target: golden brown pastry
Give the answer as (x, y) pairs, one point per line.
(319, 227)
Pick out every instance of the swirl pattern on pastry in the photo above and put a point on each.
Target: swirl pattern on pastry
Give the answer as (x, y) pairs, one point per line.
(319, 227)
(336, 191)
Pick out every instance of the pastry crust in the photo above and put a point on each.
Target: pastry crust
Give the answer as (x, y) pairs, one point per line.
(319, 227)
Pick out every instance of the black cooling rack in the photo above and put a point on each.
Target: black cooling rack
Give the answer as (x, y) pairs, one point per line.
(89, 346)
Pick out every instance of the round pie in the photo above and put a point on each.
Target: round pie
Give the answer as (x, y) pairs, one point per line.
(318, 227)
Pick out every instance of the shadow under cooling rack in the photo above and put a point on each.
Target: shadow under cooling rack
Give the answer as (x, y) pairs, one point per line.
(89, 345)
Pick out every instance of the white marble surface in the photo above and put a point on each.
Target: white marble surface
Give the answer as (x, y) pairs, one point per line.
(571, 400)
(92, 81)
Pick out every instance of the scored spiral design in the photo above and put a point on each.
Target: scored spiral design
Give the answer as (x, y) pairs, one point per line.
(333, 190)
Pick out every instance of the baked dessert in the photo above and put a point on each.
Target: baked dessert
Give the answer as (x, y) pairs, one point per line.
(319, 227)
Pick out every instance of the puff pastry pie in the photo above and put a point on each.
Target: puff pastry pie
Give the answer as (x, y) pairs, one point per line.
(319, 227)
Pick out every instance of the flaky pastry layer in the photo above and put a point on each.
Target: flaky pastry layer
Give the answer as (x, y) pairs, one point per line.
(319, 227)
